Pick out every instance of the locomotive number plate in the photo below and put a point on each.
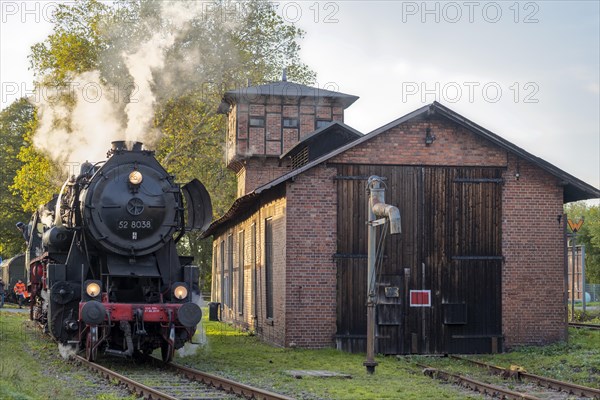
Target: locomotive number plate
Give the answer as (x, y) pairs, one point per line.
(134, 224)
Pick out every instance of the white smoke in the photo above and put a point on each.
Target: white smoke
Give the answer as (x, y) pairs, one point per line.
(82, 128)
(199, 338)
(66, 351)
(81, 131)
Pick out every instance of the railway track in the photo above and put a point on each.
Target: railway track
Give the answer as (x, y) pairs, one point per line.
(581, 325)
(475, 385)
(157, 381)
(523, 384)
(567, 387)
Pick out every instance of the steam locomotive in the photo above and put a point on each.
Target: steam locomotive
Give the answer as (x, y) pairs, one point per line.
(102, 262)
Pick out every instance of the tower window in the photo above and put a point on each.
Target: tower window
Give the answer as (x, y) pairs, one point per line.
(290, 122)
(321, 123)
(257, 122)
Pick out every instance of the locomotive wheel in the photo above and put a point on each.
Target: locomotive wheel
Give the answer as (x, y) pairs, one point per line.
(167, 351)
(91, 353)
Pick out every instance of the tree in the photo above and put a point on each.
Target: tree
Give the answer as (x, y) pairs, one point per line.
(588, 235)
(15, 120)
(38, 178)
(75, 44)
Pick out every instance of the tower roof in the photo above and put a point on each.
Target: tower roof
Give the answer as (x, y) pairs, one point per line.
(288, 90)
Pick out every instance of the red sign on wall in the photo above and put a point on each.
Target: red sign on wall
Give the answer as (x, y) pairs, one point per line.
(420, 298)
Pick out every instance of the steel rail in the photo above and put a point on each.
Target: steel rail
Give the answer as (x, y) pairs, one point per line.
(543, 381)
(582, 325)
(228, 385)
(481, 387)
(136, 387)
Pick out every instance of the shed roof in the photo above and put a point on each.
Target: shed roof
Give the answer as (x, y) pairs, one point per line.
(339, 129)
(574, 188)
(287, 90)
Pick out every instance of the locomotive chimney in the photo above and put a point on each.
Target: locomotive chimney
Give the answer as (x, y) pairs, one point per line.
(118, 145)
(136, 146)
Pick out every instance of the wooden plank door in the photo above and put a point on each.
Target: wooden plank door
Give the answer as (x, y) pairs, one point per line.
(462, 251)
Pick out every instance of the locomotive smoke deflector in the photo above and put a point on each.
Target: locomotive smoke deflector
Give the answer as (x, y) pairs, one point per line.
(199, 206)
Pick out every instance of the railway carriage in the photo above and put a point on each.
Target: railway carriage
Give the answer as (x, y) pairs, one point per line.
(12, 269)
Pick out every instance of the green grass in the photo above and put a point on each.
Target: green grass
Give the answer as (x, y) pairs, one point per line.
(31, 369)
(243, 357)
(21, 375)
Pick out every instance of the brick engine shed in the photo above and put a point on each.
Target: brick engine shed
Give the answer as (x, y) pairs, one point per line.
(483, 232)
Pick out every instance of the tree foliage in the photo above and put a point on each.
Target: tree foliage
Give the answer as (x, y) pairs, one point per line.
(588, 235)
(75, 44)
(15, 120)
(38, 178)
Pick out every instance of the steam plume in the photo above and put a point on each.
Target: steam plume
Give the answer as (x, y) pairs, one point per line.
(82, 128)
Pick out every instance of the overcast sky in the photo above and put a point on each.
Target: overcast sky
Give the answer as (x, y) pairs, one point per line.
(527, 71)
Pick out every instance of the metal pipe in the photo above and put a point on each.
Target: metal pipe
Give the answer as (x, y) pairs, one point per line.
(573, 257)
(57, 214)
(370, 362)
(583, 278)
(392, 213)
(376, 208)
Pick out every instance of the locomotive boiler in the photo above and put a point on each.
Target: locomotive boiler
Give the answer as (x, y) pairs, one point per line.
(102, 260)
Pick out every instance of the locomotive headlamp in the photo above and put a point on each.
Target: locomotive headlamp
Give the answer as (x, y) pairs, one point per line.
(180, 292)
(135, 177)
(93, 289)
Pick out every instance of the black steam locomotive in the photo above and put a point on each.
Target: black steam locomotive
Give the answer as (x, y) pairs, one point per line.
(102, 262)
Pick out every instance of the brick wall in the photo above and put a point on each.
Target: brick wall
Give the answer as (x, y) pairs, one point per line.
(405, 145)
(252, 313)
(259, 171)
(274, 139)
(533, 309)
(311, 271)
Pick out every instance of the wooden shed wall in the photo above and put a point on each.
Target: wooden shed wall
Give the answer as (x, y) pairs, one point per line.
(450, 244)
